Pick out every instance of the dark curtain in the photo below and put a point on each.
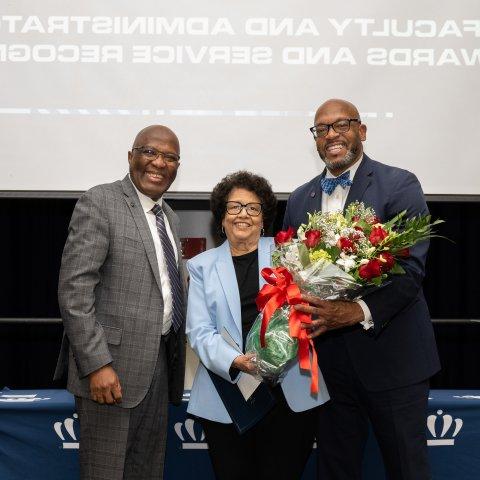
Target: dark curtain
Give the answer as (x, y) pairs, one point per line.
(33, 232)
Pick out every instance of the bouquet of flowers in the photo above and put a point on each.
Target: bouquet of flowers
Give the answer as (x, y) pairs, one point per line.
(335, 256)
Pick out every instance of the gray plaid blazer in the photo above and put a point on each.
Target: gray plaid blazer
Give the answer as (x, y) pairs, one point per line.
(110, 296)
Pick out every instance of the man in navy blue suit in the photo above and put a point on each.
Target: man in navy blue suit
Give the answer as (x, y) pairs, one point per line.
(376, 354)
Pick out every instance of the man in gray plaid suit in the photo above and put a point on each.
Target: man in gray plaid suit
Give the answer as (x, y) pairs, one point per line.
(122, 299)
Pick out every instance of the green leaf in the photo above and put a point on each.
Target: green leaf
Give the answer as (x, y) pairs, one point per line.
(334, 252)
(303, 255)
(396, 219)
(397, 269)
(276, 258)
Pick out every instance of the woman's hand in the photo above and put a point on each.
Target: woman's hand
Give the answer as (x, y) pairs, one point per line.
(245, 363)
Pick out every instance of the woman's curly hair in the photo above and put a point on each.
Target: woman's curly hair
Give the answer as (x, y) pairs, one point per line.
(248, 181)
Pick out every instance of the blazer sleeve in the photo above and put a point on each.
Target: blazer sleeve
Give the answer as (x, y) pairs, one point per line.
(202, 330)
(404, 289)
(83, 256)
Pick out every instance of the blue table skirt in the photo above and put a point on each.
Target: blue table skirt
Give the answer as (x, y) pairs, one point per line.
(39, 438)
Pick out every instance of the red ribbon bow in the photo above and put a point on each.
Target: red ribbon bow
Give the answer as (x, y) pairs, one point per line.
(281, 289)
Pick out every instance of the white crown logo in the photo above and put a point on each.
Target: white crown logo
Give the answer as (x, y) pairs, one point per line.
(21, 398)
(447, 423)
(193, 444)
(68, 424)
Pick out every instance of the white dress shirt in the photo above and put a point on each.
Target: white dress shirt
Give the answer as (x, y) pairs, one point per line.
(336, 201)
(147, 205)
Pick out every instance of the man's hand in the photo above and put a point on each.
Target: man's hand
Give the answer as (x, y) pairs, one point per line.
(245, 364)
(105, 386)
(329, 314)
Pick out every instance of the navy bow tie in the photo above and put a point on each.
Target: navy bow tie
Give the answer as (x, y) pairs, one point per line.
(329, 184)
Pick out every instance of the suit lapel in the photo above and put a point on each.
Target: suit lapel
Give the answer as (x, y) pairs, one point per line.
(361, 181)
(228, 281)
(133, 204)
(265, 246)
(314, 200)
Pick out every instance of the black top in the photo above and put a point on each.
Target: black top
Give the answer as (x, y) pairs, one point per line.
(246, 270)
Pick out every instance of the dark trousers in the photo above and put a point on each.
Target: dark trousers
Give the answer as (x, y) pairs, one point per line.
(278, 447)
(397, 417)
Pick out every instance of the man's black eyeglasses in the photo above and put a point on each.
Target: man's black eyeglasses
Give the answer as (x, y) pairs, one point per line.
(340, 126)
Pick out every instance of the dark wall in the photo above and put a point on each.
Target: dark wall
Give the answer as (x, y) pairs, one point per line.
(33, 232)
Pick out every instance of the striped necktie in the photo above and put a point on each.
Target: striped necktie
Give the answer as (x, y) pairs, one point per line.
(173, 273)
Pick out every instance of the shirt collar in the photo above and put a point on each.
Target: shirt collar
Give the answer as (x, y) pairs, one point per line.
(353, 169)
(146, 202)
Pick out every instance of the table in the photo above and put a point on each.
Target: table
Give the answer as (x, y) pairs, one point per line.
(39, 438)
(38, 435)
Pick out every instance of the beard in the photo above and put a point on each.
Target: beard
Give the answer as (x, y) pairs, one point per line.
(349, 159)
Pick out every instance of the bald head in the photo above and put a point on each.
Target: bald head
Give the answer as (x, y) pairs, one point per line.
(336, 104)
(156, 132)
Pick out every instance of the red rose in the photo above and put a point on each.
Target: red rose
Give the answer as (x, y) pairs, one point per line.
(404, 252)
(387, 261)
(370, 270)
(377, 235)
(357, 227)
(346, 244)
(284, 236)
(312, 238)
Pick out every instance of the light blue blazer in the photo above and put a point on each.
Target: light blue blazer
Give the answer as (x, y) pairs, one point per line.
(214, 303)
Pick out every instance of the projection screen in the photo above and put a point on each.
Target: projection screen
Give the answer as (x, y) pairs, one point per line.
(239, 83)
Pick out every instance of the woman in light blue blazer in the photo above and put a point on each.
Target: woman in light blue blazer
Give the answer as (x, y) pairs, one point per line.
(224, 282)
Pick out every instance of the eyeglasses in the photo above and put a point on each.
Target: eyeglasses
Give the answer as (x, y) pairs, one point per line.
(150, 153)
(340, 126)
(253, 209)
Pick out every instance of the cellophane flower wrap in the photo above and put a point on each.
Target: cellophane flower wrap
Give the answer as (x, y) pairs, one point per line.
(334, 256)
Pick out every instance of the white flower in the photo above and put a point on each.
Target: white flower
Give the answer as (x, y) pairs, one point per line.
(331, 238)
(346, 261)
(291, 256)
